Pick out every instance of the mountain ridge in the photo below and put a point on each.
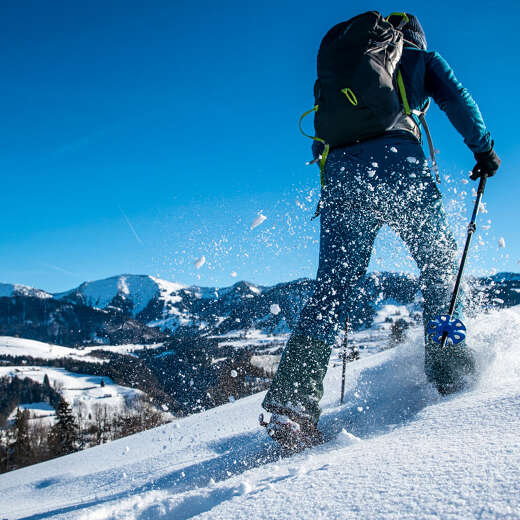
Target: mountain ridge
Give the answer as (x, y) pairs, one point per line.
(143, 309)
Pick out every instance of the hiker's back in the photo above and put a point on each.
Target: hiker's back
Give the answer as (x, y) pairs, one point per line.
(355, 93)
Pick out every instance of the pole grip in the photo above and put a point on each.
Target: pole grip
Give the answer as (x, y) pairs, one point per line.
(482, 183)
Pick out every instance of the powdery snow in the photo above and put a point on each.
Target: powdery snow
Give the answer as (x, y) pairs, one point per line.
(396, 450)
(275, 309)
(200, 262)
(258, 220)
(412, 160)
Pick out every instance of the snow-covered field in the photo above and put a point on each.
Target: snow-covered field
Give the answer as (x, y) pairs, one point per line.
(79, 390)
(27, 347)
(41, 412)
(396, 450)
(251, 338)
(10, 346)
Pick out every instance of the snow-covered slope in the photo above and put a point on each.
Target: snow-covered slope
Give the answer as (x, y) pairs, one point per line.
(37, 349)
(42, 412)
(79, 390)
(396, 450)
(10, 346)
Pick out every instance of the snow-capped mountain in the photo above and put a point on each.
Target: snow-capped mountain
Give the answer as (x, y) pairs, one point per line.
(161, 303)
(395, 450)
(178, 309)
(133, 291)
(146, 309)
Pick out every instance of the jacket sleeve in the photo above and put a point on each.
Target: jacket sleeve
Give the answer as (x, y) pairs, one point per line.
(462, 110)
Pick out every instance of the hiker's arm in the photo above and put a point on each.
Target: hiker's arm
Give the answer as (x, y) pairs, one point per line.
(462, 110)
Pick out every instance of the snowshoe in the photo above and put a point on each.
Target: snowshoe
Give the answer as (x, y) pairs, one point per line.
(293, 435)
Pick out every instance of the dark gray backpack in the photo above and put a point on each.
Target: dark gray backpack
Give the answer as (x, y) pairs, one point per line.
(356, 93)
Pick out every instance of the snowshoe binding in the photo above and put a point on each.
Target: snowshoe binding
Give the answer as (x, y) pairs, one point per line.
(293, 434)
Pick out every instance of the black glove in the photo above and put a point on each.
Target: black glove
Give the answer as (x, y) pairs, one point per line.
(487, 164)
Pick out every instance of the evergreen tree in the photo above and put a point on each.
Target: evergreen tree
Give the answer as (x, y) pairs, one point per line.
(22, 449)
(398, 331)
(64, 435)
(4, 451)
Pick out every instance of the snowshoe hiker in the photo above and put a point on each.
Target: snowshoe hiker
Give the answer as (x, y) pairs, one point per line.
(374, 172)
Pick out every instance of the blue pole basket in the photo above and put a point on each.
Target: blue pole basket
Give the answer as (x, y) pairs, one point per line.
(453, 328)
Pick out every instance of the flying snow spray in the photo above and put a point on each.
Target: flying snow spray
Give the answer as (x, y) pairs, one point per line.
(445, 328)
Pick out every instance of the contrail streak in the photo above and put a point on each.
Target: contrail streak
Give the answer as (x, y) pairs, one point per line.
(60, 269)
(137, 237)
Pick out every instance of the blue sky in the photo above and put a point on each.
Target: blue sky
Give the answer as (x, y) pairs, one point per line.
(137, 139)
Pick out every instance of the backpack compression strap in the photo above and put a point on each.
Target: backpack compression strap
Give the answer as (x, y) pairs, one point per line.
(406, 105)
(422, 119)
(435, 166)
(324, 154)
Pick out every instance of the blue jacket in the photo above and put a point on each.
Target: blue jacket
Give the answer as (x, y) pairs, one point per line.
(426, 74)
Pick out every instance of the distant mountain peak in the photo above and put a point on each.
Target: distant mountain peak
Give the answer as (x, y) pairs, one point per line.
(9, 290)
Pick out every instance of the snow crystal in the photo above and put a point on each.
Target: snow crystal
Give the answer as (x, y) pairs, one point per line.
(412, 160)
(464, 181)
(375, 165)
(200, 262)
(371, 173)
(233, 373)
(258, 220)
(393, 149)
(234, 274)
(501, 242)
(275, 309)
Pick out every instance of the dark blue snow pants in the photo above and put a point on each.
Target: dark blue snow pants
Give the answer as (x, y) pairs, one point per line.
(376, 182)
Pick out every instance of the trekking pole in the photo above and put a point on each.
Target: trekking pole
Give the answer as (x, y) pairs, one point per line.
(444, 327)
(345, 342)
